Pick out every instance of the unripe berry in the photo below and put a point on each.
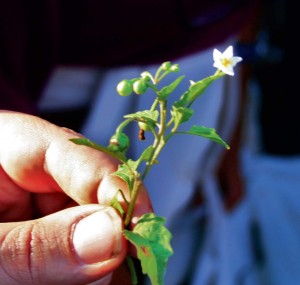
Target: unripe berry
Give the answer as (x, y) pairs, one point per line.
(124, 88)
(119, 143)
(145, 126)
(140, 86)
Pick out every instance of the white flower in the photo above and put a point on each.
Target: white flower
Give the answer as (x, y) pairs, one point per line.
(226, 61)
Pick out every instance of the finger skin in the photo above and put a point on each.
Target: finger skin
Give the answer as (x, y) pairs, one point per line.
(42, 172)
(48, 162)
(40, 252)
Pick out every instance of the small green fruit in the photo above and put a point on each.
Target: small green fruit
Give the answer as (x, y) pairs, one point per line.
(124, 88)
(119, 143)
(140, 86)
(146, 127)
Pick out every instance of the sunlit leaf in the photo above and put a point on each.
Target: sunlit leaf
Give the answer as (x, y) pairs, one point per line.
(152, 240)
(205, 132)
(144, 116)
(167, 90)
(116, 204)
(181, 114)
(197, 89)
(146, 154)
(125, 173)
(86, 142)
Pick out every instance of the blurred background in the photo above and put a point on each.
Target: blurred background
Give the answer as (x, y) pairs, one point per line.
(233, 214)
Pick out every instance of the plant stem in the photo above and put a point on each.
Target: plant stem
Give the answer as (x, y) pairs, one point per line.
(134, 195)
(122, 126)
(159, 142)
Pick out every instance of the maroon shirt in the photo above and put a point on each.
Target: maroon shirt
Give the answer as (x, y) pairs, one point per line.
(36, 36)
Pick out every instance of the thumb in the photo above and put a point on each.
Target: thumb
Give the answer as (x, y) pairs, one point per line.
(75, 246)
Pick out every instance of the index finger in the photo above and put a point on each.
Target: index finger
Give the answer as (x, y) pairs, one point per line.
(39, 157)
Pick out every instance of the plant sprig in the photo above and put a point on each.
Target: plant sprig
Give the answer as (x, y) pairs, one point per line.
(150, 236)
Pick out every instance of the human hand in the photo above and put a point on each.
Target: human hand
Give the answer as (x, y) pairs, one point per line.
(56, 224)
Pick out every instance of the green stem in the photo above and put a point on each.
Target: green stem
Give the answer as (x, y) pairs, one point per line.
(159, 70)
(123, 125)
(134, 195)
(154, 105)
(159, 142)
(163, 76)
(132, 270)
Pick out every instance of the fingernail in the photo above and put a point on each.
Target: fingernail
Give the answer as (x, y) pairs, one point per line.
(98, 236)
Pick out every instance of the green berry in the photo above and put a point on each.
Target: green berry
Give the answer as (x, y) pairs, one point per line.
(146, 126)
(124, 88)
(119, 143)
(140, 86)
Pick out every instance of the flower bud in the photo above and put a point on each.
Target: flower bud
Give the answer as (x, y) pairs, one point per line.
(175, 67)
(146, 75)
(166, 65)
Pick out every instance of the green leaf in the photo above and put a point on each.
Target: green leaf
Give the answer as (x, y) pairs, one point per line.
(196, 89)
(126, 174)
(116, 204)
(133, 165)
(152, 240)
(181, 114)
(167, 90)
(146, 154)
(209, 133)
(89, 143)
(144, 116)
(128, 171)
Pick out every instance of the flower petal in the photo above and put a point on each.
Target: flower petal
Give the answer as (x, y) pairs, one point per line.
(235, 60)
(216, 55)
(228, 53)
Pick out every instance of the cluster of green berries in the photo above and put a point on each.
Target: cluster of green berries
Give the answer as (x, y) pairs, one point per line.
(137, 85)
(140, 85)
